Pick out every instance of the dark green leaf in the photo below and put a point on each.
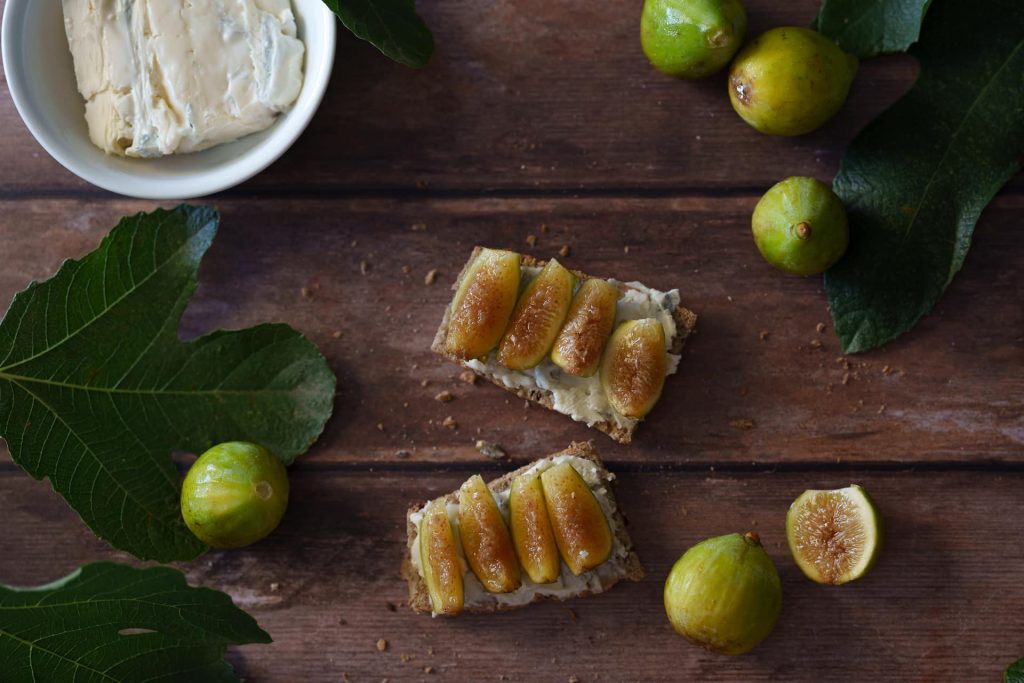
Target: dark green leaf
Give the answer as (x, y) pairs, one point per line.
(391, 25)
(107, 623)
(1014, 672)
(916, 179)
(96, 390)
(871, 27)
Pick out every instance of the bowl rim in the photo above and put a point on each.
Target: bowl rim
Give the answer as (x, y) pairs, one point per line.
(199, 183)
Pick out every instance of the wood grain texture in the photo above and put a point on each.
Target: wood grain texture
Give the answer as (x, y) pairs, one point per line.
(944, 602)
(525, 94)
(943, 393)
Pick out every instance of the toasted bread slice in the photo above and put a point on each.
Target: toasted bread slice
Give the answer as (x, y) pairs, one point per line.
(622, 565)
(622, 431)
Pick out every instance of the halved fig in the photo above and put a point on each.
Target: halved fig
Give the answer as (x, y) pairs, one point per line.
(582, 533)
(483, 304)
(537, 318)
(532, 535)
(581, 342)
(634, 367)
(485, 538)
(439, 557)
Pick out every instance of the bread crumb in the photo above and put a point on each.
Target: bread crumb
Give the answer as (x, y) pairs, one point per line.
(531, 240)
(564, 251)
(572, 616)
(428, 669)
(574, 679)
(430, 277)
(364, 267)
(846, 378)
(406, 658)
(469, 377)
(491, 450)
(543, 228)
(275, 586)
(742, 423)
(815, 344)
(406, 269)
(305, 292)
(886, 370)
(382, 645)
(881, 409)
(444, 397)
(336, 334)
(820, 327)
(424, 382)
(380, 426)
(625, 249)
(764, 335)
(450, 423)
(418, 227)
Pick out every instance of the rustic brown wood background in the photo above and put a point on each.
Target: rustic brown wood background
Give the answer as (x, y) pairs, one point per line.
(543, 118)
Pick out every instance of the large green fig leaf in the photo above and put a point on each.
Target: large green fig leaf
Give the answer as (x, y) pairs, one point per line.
(392, 26)
(107, 623)
(96, 389)
(1015, 672)
(916, 179)
(871, 27)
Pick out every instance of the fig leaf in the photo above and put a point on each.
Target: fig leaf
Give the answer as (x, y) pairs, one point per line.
(916, 179)
(97, 391)
(871, 27)
(392, 26)
(1014, 672)
(111, 622)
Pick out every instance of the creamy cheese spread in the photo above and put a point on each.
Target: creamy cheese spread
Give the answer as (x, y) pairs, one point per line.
(583, 398)
(165, 76)
(568, 584)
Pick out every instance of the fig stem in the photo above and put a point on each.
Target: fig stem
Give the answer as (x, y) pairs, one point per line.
(803, 230)
(753, 536)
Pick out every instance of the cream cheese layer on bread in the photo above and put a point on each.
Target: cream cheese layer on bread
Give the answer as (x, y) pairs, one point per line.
(621, 564)
(583, 398)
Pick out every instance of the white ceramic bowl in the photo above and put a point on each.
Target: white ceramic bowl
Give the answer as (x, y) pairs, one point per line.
(41, 78)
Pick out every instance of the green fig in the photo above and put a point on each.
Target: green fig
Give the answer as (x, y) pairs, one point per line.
(800, 226)
(691, 38)
(790, 80)
(724, 594)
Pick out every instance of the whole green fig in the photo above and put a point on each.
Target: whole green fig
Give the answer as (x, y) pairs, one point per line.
(800, 226)
(724, 594)
(790, 80)
(691, 38)
(234, 494)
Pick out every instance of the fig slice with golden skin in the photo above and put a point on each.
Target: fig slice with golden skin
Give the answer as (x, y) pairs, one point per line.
(483, 304)
(439, 558)
(537, 318)
(588, 325)
(532, 535)
(485, 538)
(634, 367)
(581, 530)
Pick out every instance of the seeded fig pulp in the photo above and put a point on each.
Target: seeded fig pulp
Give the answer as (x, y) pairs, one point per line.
(835, 536)
(234, 494)
(724, 594)
(800, 226)
(691, 38)
(790, 80)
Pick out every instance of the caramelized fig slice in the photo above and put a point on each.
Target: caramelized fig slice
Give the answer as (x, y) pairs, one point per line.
(581, 342)
(439, 558)
(537, 318)
(531, 530)
(582, 533)
(485, 538)
(634, 367)
(483, 304)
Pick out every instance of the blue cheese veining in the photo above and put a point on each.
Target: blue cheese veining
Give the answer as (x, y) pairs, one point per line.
(166, 77)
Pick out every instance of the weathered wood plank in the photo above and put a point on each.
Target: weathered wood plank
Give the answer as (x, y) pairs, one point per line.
(942, 393)
(944, 602)
(525, 94)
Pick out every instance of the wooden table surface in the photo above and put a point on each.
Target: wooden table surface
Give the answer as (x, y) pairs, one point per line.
(544, 119)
